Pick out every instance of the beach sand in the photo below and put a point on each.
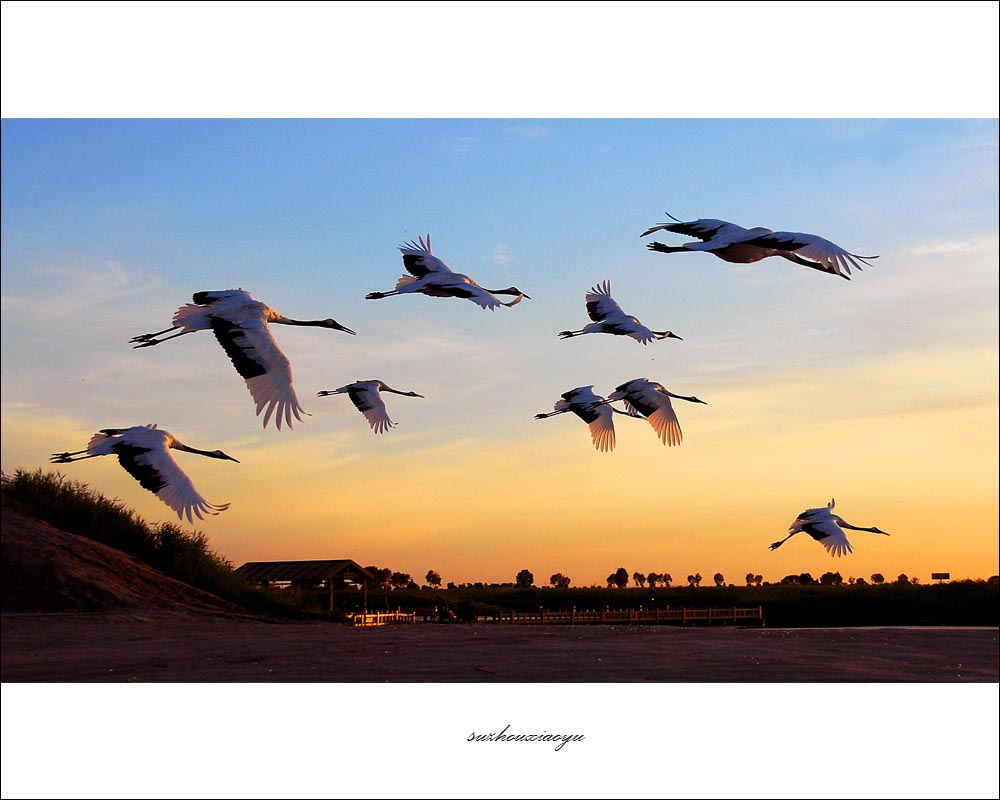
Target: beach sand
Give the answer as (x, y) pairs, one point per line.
(75, 610)
(220, 647)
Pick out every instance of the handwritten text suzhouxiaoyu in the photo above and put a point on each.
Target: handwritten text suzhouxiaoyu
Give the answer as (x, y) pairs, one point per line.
(544, 736)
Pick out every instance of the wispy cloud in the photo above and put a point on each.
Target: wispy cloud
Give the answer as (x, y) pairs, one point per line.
(461, 144)
(529, 131)
(63, 292)
(853, 128)
(500, 255)
(951, 248)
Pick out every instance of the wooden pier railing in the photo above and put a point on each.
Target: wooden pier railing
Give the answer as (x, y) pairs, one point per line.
(648, 616)
(383, 618)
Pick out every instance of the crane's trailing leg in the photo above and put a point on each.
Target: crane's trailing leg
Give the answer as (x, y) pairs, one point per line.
(148, 339)
(147, 336)
(66, 458)
(551, 413)
(662, 248)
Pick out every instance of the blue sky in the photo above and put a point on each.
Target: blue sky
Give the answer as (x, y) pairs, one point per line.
(536, 156)
(110, 225)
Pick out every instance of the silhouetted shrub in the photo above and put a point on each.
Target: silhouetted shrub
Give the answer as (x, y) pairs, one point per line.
(185, 555)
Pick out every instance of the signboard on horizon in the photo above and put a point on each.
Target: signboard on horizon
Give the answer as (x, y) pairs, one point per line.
(940, 576)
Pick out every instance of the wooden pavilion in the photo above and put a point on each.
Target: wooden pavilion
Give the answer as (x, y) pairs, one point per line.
(301, 576)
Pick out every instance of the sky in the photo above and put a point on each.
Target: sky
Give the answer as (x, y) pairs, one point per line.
(880, 392)
(269, 159)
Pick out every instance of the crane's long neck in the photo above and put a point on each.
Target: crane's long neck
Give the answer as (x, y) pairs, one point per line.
(315, 323)
(209, 453)
(845, 524)
(682, 397)
(186, 449)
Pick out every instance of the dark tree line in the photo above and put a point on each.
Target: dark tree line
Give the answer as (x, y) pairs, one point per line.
(386, 580)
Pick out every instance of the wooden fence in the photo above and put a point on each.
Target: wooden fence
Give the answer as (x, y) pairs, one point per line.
(648, 616)
(383, 618)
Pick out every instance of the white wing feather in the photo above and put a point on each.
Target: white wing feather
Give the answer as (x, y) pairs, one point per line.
(664, 422)
(604, 305)
(602, 430)
(835, 542)
(478, 294)
(194, 317)
(820, 520)
(179, 492)
(712, 229)
(831, 257)
(639, 332)
(366, 397)
(423, 260)
(273, 392)
(377, 416)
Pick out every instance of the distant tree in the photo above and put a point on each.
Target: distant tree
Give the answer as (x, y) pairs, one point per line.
(914, 580)
(878, 579)
(451, 585)
(652, 578)
(382, 576)
(618, 578)
(831, 579)
(400, 580)
(559, 580)
(860, 582)
(639, 578)
(524, 579)
(719, 578)
(790, 579)
(433, 579)
(666, 579)
(902, 578)
(694, 580)
(806, 578)
(758, 580)
(749, 579)
(993, 580)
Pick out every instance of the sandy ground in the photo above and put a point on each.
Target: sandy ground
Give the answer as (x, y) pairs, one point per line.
(101, 647)
(77, 611)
